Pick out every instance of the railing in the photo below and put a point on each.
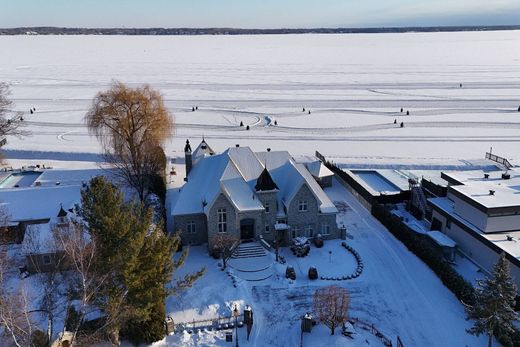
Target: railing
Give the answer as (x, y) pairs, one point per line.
(498, 159)
(370, 327)
(217, 323)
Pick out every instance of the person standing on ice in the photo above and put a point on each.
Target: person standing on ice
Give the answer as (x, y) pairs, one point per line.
(402, 125)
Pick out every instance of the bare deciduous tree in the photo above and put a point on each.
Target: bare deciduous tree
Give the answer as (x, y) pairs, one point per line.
(15, 320)
(80, 252)
(10, 121)
(331, 306)
(132, 124)
(223, 244)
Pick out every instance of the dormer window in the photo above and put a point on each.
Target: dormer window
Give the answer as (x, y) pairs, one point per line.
(302, 205)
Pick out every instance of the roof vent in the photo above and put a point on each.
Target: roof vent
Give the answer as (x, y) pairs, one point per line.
(506, 176)
(491, 192)
(269, 149)
(237, 145)
(486, 175)
(509, 238)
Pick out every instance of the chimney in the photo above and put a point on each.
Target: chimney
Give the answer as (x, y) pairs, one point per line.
(187, 159)
(491, 192)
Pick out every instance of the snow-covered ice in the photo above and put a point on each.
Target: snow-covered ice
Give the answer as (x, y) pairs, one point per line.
(354, 86)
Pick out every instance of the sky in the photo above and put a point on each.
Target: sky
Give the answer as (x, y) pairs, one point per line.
(257, 13)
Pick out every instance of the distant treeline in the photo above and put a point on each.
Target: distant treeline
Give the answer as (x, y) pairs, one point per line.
(233, 31)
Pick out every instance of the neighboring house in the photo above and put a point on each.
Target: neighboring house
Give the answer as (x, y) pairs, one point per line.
(250, 195)
(42, 251)
(37, 206)
(481, 213)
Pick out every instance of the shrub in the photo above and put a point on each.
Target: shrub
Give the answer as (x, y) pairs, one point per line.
(290, 273)
(423, 249)
(318, 241)
(313, 273)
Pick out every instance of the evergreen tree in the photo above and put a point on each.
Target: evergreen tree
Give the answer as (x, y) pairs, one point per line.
(139, 258)
(495, 301)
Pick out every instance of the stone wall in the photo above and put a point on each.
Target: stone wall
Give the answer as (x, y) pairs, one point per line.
(200, 236)
(330, 219)
(270, 217)
(296, 218)
(232, 227)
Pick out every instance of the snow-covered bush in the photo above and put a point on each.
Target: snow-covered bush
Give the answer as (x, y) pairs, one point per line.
(313, 273)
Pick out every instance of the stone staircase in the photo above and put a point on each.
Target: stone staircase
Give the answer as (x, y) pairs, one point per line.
(251, 262)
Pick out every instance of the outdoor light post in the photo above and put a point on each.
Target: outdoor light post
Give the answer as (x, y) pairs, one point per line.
(235, 313)
(306, 325)
(248, 319)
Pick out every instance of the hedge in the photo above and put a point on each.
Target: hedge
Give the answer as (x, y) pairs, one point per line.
(422, 247)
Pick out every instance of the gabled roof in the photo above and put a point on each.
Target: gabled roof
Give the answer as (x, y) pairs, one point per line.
(238, 173)
(265, 182)
(62, 212)
(202, 150)
(317, 169)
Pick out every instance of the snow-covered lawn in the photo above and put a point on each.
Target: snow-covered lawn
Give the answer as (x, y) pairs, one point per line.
(396, 292)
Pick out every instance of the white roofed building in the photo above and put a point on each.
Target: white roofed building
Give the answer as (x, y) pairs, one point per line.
(248, 194)
(481, 213)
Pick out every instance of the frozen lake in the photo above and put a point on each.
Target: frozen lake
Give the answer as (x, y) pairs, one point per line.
(354, 86)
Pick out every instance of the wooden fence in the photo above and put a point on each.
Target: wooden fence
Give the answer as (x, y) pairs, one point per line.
(373, 330)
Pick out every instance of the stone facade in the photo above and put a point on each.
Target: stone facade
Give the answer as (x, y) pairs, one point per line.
(268, 199)
(222, 202)
(199, 222)
(309, 222)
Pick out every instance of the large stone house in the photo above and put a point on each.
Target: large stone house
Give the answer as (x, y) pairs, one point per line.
(250, 195)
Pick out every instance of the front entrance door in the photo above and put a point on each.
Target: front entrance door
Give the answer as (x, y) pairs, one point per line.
(247, 229)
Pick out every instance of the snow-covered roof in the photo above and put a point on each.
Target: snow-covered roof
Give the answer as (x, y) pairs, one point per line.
(203, 150)
(69, 177)
(317, 169)
(441, 239)
(238, 192)
(235, 173)
(203, 185)
(38, 202)
(39, 239)
(477, 187)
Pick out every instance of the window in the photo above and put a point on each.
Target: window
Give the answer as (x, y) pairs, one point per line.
(281, 221)
(267, 228)
(448, 223)
(325, 229)
(308, 231)
(222, 220)
(190, 227)
(302, 205)
(295, 232)
(266, 206)
(46, 259)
